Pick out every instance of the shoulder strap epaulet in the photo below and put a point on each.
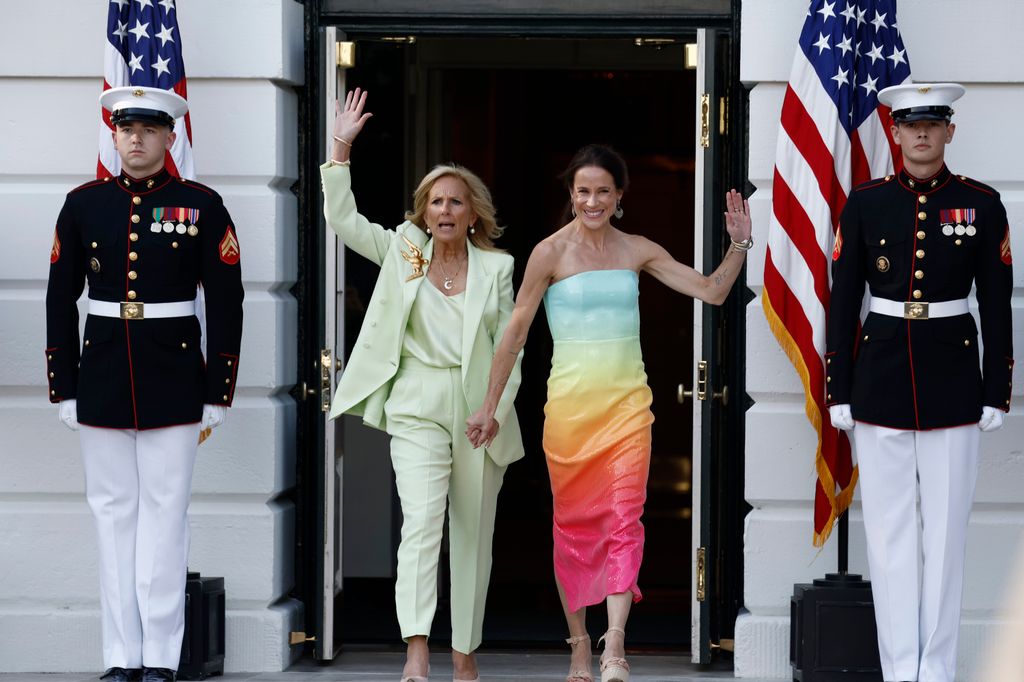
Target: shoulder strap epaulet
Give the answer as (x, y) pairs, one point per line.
(91, 183)
(974, 184)
(876, 182)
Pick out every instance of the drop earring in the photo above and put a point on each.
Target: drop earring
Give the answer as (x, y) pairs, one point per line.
(428, 230)
(472, 229)
(618, 209)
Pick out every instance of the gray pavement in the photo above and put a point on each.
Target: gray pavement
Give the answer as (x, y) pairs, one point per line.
(374, 666)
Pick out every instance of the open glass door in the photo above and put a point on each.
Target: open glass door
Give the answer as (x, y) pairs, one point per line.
(328, 571)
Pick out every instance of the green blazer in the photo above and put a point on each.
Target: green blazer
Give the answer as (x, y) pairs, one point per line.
(366, 382)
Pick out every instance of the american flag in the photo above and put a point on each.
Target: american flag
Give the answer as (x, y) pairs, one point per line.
(143, 47)
(833, 136)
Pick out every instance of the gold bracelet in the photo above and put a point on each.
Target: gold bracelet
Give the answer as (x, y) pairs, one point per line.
(343, 141)
(743, 246)
(335, 162)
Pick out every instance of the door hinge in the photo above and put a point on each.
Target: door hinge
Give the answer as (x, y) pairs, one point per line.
(345, 54)
(705, 120)
(299, 638)
(702, 576)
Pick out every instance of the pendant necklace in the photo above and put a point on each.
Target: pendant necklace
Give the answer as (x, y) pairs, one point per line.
(449, 282)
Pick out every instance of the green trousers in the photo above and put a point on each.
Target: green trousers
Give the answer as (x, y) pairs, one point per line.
(434, 463)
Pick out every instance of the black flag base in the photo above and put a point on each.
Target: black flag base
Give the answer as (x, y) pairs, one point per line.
(832, 635)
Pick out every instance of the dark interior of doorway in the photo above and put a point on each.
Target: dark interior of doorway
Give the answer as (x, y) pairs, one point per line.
(518, 128)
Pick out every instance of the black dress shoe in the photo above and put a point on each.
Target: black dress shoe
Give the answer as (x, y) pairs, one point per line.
(158, 675)
(122, 675)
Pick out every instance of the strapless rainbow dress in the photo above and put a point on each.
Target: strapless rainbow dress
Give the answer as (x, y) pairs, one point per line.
(597, 434)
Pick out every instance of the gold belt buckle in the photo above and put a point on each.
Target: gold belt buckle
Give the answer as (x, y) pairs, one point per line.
(915, 310)
(132, 311)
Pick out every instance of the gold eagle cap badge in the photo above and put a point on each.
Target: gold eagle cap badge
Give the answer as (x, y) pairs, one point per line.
(415, 258)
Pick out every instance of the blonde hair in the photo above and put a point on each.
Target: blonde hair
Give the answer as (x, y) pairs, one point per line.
(486, 226)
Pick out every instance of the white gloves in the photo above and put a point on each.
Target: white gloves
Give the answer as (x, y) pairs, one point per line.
(68, 413)
(991, 418)
(213, 415)
(841, 417)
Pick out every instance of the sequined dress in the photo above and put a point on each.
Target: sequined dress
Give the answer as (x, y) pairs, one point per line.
(597, 434)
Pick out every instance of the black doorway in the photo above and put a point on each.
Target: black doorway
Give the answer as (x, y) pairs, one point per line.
(517, 127)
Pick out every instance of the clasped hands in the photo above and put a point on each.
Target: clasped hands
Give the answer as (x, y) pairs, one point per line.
(481, 428)
(213, 415)
(842, 419)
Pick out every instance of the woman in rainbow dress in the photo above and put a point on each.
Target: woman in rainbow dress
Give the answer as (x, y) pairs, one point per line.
(597, 431)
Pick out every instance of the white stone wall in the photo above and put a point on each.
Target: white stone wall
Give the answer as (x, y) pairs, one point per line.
(975, 44)
(243, 58)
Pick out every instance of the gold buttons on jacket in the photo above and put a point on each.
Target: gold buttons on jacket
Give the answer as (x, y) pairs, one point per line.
(958, 242)
(49, 357)
(922, 216)
(967, 342)
(881, 242)
(52, 375)
(919, 274)
(132, 274)
(136, 200)
(919, 253)
(132, 295)
(917, 293)
(184, 345)
(225, 397)
(922, 199)
(86, 342)
(227, 381)
(865, 337)
(94, 245)
(229, 363)
(828, 380)
(921, 234)
(136, 218)
(174, 245)
(133, 256)
(134, 236)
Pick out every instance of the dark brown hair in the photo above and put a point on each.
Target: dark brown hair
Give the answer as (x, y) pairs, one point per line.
(598, 155)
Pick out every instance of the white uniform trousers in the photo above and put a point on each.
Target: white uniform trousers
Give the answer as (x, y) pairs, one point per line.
(434, 462)
(138, 484)
(918, 621)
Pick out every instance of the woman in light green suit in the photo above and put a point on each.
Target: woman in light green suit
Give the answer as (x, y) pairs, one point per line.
(440, 306)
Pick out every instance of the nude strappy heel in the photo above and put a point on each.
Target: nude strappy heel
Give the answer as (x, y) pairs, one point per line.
(613, 668)
(579, 675)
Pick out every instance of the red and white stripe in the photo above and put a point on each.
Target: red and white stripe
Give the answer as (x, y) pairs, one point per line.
(817, 164)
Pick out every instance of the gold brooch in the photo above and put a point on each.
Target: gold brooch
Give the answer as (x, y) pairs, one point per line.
(415, 258)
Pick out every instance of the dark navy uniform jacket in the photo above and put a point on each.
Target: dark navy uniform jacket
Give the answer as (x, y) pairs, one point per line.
(151, 240)
(927, 241)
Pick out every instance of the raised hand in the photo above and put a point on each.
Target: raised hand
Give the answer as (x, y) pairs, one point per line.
(348, 122)
(737, 216)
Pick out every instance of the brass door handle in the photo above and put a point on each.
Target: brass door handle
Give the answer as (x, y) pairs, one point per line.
(682, 394)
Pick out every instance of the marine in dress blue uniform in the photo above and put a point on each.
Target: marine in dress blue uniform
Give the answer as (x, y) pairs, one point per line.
(137, 383)
(909, 379)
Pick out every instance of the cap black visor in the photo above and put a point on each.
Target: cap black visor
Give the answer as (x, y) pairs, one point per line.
(147, 115)
(932, 113)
